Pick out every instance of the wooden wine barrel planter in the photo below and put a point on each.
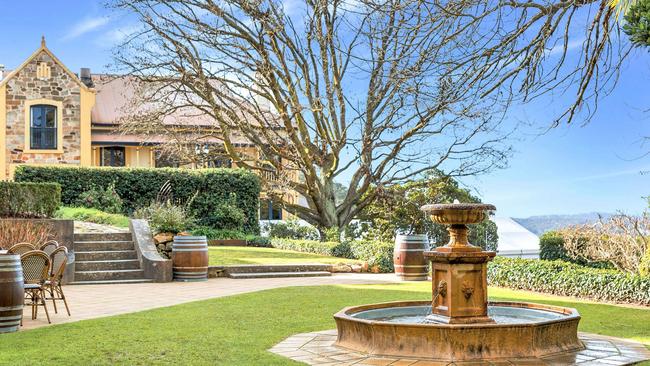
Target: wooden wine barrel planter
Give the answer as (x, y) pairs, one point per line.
(408, 257)
(190, 258)
(12, 293)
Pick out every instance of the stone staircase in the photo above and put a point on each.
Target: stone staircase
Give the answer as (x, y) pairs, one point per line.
(103, 258)
(277, 270)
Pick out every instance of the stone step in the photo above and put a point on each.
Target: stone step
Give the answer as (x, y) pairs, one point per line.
(103, 237)
(88, 246)
(110, 282)
(105, 255)
(274, 268)
(123, 274)
(279, 274)
(107, 265)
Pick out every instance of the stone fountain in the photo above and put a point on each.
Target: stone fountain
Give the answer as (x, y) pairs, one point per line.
(458, 324)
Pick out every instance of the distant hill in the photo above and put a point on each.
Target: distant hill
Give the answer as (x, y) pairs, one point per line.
(541, 224)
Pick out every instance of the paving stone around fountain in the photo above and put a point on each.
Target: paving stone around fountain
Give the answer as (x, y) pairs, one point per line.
(318, 348)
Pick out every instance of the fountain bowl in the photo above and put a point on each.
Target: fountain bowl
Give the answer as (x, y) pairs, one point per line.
(404, 329)
(458, 213)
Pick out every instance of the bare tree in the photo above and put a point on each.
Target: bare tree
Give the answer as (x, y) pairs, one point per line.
(621, 240)
(371, 91)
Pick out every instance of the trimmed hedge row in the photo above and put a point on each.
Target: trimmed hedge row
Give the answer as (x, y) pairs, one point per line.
(376, 253)
(138, 187)
(29, 200)
(568, 279)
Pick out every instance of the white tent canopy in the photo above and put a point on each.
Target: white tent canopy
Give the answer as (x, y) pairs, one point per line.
(515, 240)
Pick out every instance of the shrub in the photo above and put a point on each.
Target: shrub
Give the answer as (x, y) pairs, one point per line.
(226, 216)
(21, 231)
(138, 187)
(218, 234)
(551, 247)
(307, 246)
(376, 253)
(166, 217)
(104, 199)
(92, 215)
(258, 241)
(293, 230)
(569, 279)
(29, 200)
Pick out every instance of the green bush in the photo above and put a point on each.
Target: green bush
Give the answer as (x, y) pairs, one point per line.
(218, 234)
(292, 230)
(166, 217)
(92, 215)
(376, 253)
(138, 187)
(29, 200)
(258, 241)
(551, 247)
(226, 216)
(569, 279)
(104, 199)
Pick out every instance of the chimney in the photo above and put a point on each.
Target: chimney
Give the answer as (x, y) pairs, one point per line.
(84, 75)
(2, 71)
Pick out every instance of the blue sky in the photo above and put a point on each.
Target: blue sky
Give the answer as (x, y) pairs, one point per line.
(571, 169)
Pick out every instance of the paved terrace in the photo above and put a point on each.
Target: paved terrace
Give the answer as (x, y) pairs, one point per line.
(96, 301)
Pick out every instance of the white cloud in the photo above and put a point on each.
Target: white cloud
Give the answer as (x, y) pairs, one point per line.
(85, 26)
(117, 35)
(570, 46)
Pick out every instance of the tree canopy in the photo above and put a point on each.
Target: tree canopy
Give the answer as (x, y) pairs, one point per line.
(370, 92)
(396, 210)
(637, 23)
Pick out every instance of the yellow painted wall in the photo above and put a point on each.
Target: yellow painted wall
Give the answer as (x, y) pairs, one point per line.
(3, 132)
(133, 158)
(87, 103)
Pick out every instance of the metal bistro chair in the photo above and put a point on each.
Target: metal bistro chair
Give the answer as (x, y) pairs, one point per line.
(20, 248)
(36, 266)
(59, 258)
(49, 247)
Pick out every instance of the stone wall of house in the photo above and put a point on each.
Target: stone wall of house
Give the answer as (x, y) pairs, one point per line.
(59, 86)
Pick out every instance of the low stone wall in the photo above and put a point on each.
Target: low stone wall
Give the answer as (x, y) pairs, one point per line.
(155, 266)
(164, 243)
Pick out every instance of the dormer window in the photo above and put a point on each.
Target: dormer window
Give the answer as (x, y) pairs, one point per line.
(43, 127)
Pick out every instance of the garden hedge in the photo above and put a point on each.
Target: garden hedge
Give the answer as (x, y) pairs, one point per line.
(376, 253)
(138, 187)
(569, 279)
(29, 200)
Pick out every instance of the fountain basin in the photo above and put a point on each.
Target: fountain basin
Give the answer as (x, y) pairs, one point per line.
(401, 329)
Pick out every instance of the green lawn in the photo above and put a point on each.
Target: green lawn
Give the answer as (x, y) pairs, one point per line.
(237, 330)
(92, 215)
(220, 256)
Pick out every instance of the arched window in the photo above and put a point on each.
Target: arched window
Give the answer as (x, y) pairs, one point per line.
(43, 127)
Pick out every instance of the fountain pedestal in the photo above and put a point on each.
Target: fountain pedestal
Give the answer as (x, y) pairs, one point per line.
(459, 269)
(459, 281)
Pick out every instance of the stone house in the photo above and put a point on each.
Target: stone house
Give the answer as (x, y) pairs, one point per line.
(50, 115)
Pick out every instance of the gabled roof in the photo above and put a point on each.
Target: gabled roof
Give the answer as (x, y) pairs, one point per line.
(513, 236)
(44, 48)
